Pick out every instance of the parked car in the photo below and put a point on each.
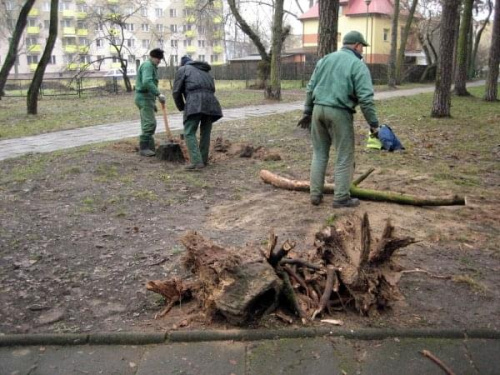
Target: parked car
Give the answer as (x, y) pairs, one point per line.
(118, 73)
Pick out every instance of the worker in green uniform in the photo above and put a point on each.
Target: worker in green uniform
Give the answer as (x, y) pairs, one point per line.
(146, 92)
(340, 81)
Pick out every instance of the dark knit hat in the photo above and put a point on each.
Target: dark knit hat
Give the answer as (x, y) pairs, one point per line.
(353, 37)
(157, 52)
(185, 59)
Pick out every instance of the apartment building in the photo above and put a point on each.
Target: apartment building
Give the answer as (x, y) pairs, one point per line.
(98, 35)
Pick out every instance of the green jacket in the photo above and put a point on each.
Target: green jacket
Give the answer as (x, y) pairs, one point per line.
(342, 80)
(146, 83)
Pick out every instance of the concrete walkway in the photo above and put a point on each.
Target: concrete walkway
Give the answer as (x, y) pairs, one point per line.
(359, 352)
(11, 148)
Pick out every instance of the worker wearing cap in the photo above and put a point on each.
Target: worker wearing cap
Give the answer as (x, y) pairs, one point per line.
(146, 92)
(340, 81)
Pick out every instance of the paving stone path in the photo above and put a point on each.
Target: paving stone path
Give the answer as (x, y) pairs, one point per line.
(11, 148)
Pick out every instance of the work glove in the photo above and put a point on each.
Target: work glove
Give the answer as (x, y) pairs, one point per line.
(374, 129)
(305, 121)
(162, 99)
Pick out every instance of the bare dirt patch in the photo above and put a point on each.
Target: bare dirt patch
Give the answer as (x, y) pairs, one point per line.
(83, 231)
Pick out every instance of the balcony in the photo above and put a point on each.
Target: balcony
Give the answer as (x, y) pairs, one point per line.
(33, 12)
(70, 48)
(69, 31)
(217, 49)
(217, 20)
(32, 30)
(112, 50)
(35, 48)
(68, 13)
(217, 63)
(190, 34)
(33, 67)
(217, 34)
(217, 4)
(190, 49)
(81, 15)
(113, 1)
(190, 19)
(116, 65)
(72, 66)
(189, 3)
(82, 32)
(83, 50)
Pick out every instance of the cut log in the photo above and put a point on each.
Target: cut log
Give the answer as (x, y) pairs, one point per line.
(365, 194)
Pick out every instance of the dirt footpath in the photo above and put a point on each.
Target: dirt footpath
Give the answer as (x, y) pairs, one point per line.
(83, 231)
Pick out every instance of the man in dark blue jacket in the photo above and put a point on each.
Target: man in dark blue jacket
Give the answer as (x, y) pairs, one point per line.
(194, 93)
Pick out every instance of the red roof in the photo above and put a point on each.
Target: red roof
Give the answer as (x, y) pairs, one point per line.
(354, 7)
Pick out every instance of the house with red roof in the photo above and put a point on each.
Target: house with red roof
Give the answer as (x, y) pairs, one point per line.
(373, 20)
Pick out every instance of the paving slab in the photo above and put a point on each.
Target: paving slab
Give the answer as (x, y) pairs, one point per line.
(18, 360)
(194, 359)
(403, 356)
(316, 356)
(485, 355)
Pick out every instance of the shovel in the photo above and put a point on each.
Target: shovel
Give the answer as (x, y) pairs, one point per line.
(169, 150)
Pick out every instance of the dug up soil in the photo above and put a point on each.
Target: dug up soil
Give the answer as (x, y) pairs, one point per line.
(83, 231)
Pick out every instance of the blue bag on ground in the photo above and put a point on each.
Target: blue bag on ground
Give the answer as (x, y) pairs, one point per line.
(388, 139)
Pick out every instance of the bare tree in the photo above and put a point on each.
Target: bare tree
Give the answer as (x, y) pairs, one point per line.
(279, 35)
(391, 71)
(442, 96)
(404, 40)
(36, 83)
(491, 93)
(462, 50)
(481, 25)
(11, 57)
(328, 26)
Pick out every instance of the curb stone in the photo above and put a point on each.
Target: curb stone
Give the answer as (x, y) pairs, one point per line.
(138, 338)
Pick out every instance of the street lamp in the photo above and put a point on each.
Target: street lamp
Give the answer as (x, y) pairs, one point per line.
(367, 2)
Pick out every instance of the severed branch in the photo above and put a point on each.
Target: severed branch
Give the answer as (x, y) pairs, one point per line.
(363, 177)
(290, 294)
(366, 194)
(330, 276)
(300, 262)
(428, 354)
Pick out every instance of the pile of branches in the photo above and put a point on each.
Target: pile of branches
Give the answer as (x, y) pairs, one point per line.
(345, 269)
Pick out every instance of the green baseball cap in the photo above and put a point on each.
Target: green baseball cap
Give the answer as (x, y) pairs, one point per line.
(353, 37)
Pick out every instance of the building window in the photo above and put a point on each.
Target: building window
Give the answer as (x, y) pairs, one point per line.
(159, 12)
(145, 27)
(173, 28)
(98, 43)
(214, 58)
(31, 41)
(83, 8)
(386, 35)
(174, 59)
(145, 43)
(83, 42)
(131, 58)
(85, 59)
(201, 43)
(130, 42)
(31, 22)
(32, 59)
(201, 57)
(144, 12)
(66, 23)
(187, 43)
(201, 30)
(9, 6)
(173, 13)
(174, 43)
(159, 27)
(52, 60)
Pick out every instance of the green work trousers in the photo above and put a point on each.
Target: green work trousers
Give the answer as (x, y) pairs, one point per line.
(198, 153)
(146, 105)
(332, 126)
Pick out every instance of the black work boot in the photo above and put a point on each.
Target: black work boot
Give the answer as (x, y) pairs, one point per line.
(152, 145)
(144, 149)
(316, 200)
(194, 167)
(346, 203)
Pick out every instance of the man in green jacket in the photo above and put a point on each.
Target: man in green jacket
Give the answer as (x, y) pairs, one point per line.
(340, 81)
(146, 92)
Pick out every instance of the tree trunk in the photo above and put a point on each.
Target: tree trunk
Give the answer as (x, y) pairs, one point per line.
(404, 39)
(492, 79)
(442, 95)
(32, 99)
(273, 91)
(11, 57)
(477, 40)
(461, 76)
(328, 26)
(391, 71)
(366, 194)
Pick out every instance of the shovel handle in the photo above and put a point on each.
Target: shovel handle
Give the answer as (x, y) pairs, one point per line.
(165, 120)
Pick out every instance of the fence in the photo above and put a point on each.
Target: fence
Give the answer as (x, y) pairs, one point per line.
(247, 71)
